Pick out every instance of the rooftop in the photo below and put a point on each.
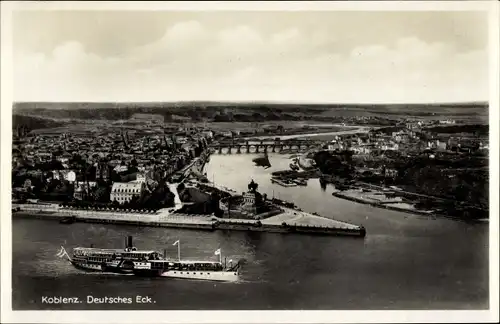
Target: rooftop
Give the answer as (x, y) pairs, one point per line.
(126, 185)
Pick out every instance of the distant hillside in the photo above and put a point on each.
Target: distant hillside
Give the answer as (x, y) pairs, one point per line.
(33, 122)
(247, 112)
(482, 130)
(201, 104)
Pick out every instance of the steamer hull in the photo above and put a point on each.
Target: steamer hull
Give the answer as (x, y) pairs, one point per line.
(148, 264)
(226, 276)
(221, 276)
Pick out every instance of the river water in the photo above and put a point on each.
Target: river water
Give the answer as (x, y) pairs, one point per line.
(405, 261)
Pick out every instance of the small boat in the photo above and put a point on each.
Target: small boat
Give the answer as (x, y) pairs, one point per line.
(300, 182)
(262, 161)
(68, 220)
(283, 182)
(149, 263)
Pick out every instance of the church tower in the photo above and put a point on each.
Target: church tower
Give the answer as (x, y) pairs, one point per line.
(102, 171)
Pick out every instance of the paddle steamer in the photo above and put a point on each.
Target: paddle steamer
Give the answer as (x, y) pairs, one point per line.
(150, 263)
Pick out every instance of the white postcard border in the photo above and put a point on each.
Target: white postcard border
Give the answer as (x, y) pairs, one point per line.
(9, 316)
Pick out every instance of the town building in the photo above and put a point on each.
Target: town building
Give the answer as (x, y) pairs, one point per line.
(334, 145)
(102, 171)
(484, 146)
(389, 172)
(139, 177)
(27, 184)
(227, 134)
(388, 146)
(362, 149)
(67, 175)
(208, 134)
(120, 168)
(123, 192)
(82, 188)
(437, 144)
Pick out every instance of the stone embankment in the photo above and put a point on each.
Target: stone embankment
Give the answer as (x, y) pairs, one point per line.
(289, 221)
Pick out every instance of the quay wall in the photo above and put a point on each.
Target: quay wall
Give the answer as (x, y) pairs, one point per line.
(195, 224)
(38, 215)
(303, 229)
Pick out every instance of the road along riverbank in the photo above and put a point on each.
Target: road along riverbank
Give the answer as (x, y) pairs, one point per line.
(344, 130)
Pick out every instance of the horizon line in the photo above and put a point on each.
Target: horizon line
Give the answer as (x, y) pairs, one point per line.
(482, 102)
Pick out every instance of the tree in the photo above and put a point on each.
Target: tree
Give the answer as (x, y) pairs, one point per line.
(214, 200)
(76, 158)
(218, 213)
(197, 151)
(102, 193)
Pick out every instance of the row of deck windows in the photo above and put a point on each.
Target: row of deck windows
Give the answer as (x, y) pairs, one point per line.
(126, 190)
(199, 267)
(201, 273)
(99, 259)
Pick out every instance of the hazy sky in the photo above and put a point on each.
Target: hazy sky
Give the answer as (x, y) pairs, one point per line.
(278, 56)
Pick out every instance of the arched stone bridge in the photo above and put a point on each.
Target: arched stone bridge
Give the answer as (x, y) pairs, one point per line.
(269, 146)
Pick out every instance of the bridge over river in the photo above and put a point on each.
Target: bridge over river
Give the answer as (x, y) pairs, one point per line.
(262, 146)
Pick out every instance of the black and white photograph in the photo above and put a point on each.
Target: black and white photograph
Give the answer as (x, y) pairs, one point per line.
(234, 157)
